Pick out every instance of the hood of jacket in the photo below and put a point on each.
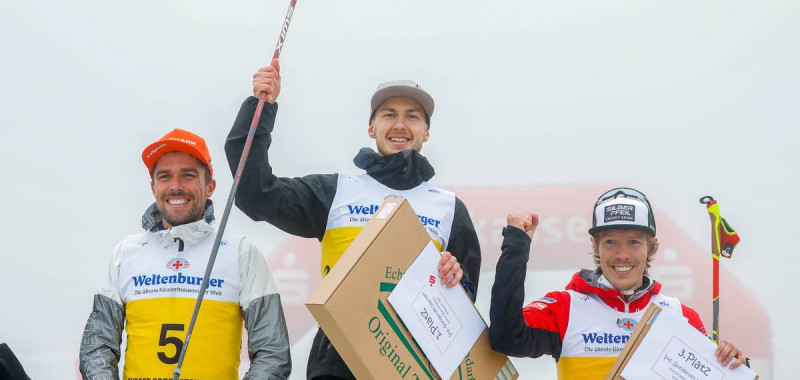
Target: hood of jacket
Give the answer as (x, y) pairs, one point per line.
(189, 233)
(400, 171)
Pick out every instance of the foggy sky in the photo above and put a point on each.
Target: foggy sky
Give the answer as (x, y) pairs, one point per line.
(678, 99)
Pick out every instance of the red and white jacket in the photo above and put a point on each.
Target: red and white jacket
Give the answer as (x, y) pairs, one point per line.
(583, 327)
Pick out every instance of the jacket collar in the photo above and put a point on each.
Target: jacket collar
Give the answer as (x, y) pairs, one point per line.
(400, 171)
(152, 220)
(190, 233)
(588, 282)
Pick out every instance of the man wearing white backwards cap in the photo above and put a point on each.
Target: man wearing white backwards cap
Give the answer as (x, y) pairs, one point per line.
(612, 297)
(334, 207)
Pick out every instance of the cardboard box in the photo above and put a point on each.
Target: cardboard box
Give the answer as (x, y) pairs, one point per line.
(351, 307)
(636, 338)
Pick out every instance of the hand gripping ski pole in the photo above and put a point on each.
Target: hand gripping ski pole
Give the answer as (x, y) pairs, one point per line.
(245, 152)
(723, 240)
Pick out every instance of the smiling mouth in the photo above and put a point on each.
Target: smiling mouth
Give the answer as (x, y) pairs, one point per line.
(177, 201)
(399, 139)
(622, 269)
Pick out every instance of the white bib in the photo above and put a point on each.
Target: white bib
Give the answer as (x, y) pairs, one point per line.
(358, 198)
(148, 270)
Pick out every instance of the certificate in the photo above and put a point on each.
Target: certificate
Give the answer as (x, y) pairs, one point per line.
(443, 321)
(673, 349)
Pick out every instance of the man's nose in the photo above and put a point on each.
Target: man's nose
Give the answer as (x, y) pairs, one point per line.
(174, 183)
(623, 253)
(400, 123)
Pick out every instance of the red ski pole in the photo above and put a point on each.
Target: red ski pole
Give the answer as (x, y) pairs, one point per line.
(245, 152)
(723, 240)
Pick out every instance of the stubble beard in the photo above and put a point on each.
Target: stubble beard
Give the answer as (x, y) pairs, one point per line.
(195, 214)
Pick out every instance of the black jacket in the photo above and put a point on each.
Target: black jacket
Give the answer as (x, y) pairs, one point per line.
(300, 206)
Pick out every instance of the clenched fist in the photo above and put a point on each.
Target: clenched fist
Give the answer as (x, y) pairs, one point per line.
(525, 222)
(268, 79)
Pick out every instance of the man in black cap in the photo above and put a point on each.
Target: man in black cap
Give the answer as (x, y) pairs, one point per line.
(611, 297)
(334, 207)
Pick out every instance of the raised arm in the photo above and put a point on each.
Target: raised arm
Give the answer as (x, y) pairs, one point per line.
(537, 329)
(298, 206)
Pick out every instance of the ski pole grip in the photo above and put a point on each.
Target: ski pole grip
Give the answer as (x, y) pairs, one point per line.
(706, 199)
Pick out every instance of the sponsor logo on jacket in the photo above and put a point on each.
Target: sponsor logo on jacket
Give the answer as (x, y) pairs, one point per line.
(538, 305)
(372, 209)
(626, 324)
(605, 338)
(362, 210)
(157, 279)
(547, 300)
(178, 264)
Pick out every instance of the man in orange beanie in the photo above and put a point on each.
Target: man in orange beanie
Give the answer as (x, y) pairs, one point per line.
(154, 278)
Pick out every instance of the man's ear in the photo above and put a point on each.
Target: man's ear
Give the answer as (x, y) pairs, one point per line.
(426, 135)
(210, 188)
(371, 131)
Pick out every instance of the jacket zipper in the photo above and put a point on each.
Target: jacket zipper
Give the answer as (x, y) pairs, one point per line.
(627, 306)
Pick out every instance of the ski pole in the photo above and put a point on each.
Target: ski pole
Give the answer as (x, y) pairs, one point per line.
(245, 152)
(723, 240)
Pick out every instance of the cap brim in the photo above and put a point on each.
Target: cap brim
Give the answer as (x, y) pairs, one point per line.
(419, 95)
(595, 230)
(154, 151)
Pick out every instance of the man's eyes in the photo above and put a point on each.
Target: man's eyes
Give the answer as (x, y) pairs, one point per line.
(392, 115)
(167, 177)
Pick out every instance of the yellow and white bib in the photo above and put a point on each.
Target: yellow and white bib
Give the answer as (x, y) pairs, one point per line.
(159, 287)
(597, 333)
(359, 197)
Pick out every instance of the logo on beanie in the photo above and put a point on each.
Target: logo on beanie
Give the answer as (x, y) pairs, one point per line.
(183, 140)
(620, 212)
(155, 150)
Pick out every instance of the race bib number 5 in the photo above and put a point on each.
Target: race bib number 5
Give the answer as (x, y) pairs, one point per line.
(166, 341)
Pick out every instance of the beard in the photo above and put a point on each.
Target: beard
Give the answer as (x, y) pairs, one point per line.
(194, 214)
